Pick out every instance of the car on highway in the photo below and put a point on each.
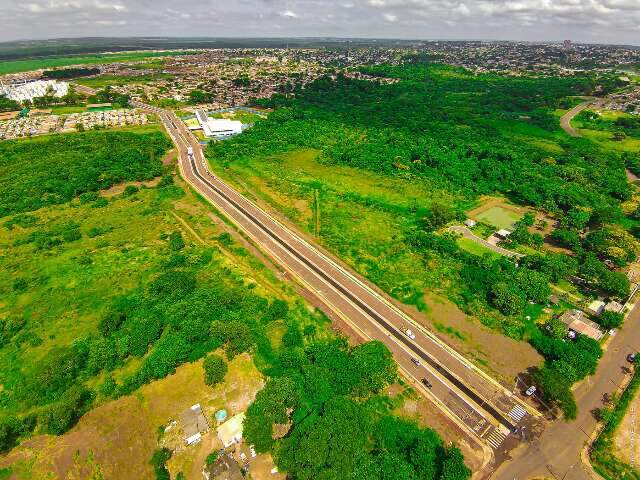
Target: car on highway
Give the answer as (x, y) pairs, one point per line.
(426, 383)
(530, 391)
(416, 361)
(410, 334)
(631, 358)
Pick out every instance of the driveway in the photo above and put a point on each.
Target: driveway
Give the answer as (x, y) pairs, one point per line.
(466, 233)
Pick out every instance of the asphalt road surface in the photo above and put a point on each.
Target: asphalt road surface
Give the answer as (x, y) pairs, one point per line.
(557, 452)
(565, 121)
(468, 395)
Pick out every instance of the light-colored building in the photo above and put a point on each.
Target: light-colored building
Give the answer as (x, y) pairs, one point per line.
(470, 223)
(596, 307)
(577, 321)
(194, 424)
(503, 234)
(217, 127)
(31, 90)
(613, 306)
(230, 432)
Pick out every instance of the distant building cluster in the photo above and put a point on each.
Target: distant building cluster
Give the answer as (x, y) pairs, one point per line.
(28, 90)
(45, 124)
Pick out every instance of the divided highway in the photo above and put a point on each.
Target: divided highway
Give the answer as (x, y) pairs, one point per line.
(477, 402)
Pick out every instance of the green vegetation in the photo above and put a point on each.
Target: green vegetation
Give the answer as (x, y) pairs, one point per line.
(602, 455)
(8, 105)
(393, 164)
(109, 96)
(129, 298)
(499, 217)
(326, 396)
(103, 81)
(215, 368)
(70, 73)
(54, 169)
(25, 65)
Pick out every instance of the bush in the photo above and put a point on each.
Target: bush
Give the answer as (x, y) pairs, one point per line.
(215, 368)
(62, 415)
(609, 320)
(176, 242)
(158, 462)
(130, 190)
(10, 430)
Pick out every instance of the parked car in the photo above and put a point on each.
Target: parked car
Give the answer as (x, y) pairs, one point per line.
(426, 383)
(416, 361)
(410, 334)
(631, 358)
(530, 391)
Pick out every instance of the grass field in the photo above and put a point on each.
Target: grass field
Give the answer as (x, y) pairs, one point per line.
(102, 81)
(499, 217)
(16, 66)
(475, 248)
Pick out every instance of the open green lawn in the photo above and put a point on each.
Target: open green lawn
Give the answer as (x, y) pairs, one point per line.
(102, 81)
(604, 139)
(475, 248)
(499, 217)
(16, 66)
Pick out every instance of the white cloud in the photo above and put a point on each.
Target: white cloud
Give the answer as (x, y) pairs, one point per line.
(583, 20)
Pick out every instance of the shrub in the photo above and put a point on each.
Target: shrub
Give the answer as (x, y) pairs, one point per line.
(609, 320)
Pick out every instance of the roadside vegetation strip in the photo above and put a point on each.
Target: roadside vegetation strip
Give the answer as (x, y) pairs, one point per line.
(602, 455)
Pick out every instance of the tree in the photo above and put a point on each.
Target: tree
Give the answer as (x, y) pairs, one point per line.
(453, 467)
(215, 368)
(158, 462)
(615, 283)
(609, 320)
(507, 298)
(439, 215)
(10, 431)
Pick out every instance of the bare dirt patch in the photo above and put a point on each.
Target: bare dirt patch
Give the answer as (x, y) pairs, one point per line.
(119, 437)
(492, 351)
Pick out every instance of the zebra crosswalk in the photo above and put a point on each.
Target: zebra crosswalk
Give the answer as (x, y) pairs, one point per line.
(495, 438)
(517, 413)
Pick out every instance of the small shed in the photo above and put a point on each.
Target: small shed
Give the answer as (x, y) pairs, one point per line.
(470, 223)
(596, 307)
(194, 424)
(503, 233)
(577, 321)
(230, 432)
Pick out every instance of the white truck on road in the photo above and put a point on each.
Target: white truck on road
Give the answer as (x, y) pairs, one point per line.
(190, 151)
